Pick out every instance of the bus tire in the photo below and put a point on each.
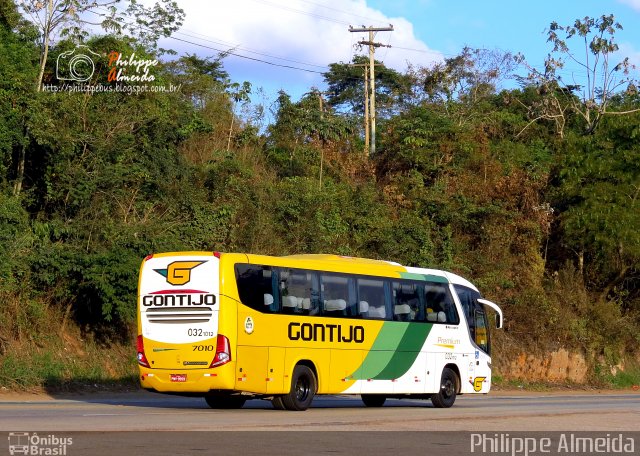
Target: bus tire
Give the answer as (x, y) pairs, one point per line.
(374, 400)
(224, 402)
(448, 388)
(277, 403)
(303, 389)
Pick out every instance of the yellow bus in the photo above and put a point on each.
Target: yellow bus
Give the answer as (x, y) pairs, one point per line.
(232, 327)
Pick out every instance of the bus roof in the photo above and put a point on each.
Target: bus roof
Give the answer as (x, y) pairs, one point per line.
(341, 259)
(339, 263)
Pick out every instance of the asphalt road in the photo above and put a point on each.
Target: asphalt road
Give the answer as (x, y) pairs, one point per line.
(147, 423)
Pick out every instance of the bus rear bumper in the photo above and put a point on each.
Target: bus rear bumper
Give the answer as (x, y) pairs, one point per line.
(184, 381)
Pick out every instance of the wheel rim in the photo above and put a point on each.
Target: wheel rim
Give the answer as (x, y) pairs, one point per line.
(448, 388)
(302, 389)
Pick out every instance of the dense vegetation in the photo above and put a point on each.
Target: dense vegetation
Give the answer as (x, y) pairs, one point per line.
(530, 192)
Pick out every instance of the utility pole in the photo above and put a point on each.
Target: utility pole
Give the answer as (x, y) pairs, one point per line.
(366, 105)
(372, 80)
(321, 106)
(366, 110)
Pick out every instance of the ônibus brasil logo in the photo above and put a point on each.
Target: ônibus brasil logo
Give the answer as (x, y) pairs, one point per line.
(32, 443)
(179, 272)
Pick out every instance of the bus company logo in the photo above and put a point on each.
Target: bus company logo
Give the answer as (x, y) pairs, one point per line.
(34, 444)
(179, 272)
(169, 298)
(319, 332)
(477, 383)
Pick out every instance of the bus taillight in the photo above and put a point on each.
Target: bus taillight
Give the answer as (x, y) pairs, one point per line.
(142, 359)
(223, 352)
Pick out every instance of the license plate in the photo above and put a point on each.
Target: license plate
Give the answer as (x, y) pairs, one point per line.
(178, 377)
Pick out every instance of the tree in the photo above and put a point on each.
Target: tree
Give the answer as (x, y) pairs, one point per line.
(308, 121)
(238, 93)
(147, 24)
(599, 197)
(199, 78)
(460, 83)
(346, 85)
(18, 57)
(69, 18)
(587, 93)
(65, 15)
(309, 126)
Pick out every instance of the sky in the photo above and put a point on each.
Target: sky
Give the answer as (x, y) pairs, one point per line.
(288, 44)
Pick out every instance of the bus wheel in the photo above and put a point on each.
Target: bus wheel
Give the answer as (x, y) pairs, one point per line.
(373, 400)
(303, 388)
(224, 402)
(448, 388)
(277, 403)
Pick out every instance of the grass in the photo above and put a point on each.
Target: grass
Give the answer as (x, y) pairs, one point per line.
(39, 350)
(621, 379)
(50, 368)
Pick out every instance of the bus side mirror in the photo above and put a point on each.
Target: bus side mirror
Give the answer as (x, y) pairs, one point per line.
(499, 317)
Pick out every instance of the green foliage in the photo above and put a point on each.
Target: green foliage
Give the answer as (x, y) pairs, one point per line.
(308, 122)
(588, 95)
(15, 242)
(598, 193)
(345, 82)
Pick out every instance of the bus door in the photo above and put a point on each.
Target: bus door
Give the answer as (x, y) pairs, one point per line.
(477, 360)
(258, 291)
(481, 363)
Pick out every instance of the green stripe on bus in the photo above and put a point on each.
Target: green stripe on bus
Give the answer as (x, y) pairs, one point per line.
(407, 351)
(423, 277)
(381, 352)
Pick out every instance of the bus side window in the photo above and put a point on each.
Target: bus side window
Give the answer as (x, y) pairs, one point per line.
(257, 287)
(335, 296)
(406, 302)
(296, 290)
(439, 304)
(371, 298)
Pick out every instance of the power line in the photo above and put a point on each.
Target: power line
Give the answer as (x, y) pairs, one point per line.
(245, 56)
(249, 50)
(235, 54)
(306, 13)
(368, 19)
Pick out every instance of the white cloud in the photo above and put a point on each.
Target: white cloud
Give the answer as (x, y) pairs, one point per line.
(635, 4)
(300, 33)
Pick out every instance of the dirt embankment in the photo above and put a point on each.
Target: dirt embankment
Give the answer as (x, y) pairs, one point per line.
(557, 366)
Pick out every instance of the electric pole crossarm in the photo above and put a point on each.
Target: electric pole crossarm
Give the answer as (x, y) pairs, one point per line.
(371, 29)
(368, 43)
